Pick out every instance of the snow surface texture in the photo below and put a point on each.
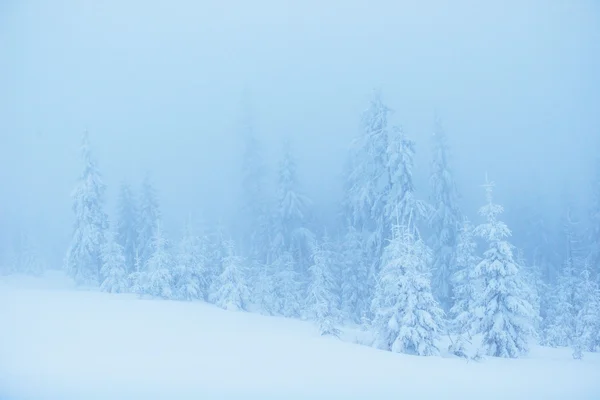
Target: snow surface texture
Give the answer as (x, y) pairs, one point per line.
(57, 342)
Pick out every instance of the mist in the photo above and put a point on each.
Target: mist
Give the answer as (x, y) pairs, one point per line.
(159, 88)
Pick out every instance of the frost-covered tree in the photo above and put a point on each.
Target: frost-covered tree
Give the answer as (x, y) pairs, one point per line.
(254, 220)
(587, 322)
(190, 266)
(506, 324)
(594, 221)
(156, 279)
(293, 212)
(559, 325)
(354, 276)
(368, 179)
(406, 317)
(322, 299)
(445, 219)
(466, 288)
(27, 259)
(127, 225)
(149, 215)
(286, 285)
(230, 290)
(84, 256)
(114, 268)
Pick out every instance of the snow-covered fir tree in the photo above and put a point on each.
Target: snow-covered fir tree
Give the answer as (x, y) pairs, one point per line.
(445, 219)
(506, 324)
(254, 221)
(157, 279)
(368, 180)
(190, 266)
(594, 224)
(230, 290)
(354, 276)
(287, 286)
(586, 335)
(114, 268)
(83, 261)
(27, 258)
(559, 325)
(149, 215)
(322, 301)
(466, 288)
(406, 317)
(293, 212)
(127, 225)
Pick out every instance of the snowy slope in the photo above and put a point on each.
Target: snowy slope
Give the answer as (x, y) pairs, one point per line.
(61, 343)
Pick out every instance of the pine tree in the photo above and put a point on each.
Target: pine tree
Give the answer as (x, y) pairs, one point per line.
(254, 219)
(506, 324)
(149, 215)
(466, 288)
(114, 269)
(293, 212)
(84, 260)
(445, 220)
(587, 322)
(368, 179)
(157, 278)
(594, 219)
(322, 297)
(127, 225)
(407, 319)
(287, 288)
(354, 285)
(230, 290)
(190, 270)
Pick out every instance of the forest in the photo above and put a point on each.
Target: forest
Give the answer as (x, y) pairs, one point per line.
(409, 269)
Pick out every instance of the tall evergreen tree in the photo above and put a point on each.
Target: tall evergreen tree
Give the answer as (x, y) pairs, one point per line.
(407, 319)
(368, 180)
(190, 266)
(254, 220)
(445, 220)
(83, 261)
(286, 285)
(323, 294)
(149, 215)
(594, 228)
(587, 323)
(466, 287)
(355, 271)
(506, 323)
(157, 277)
(293, 213)
(230, 290)
(127, 225)
(114, 268)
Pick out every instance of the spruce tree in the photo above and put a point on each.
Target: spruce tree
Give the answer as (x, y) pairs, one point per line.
(157, 277)
(293, 212)
(190, 266)
(464, 314)
(587, 321)
(507, 318)
(83, 261)
(149, 215)
(114, 268)
(127, 225)
(406, 317)
(230, 290)
(445, 220)
(322, 297)
(355, 271)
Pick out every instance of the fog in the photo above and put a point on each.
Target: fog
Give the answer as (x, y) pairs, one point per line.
(159, 88)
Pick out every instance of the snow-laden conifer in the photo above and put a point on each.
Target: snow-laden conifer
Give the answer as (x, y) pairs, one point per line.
(406, 317)
(229, 289)
(190, 266)
(84, 256)
(114, 269)
(506, 324)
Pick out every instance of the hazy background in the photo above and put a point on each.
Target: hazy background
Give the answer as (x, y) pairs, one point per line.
(158, 85)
